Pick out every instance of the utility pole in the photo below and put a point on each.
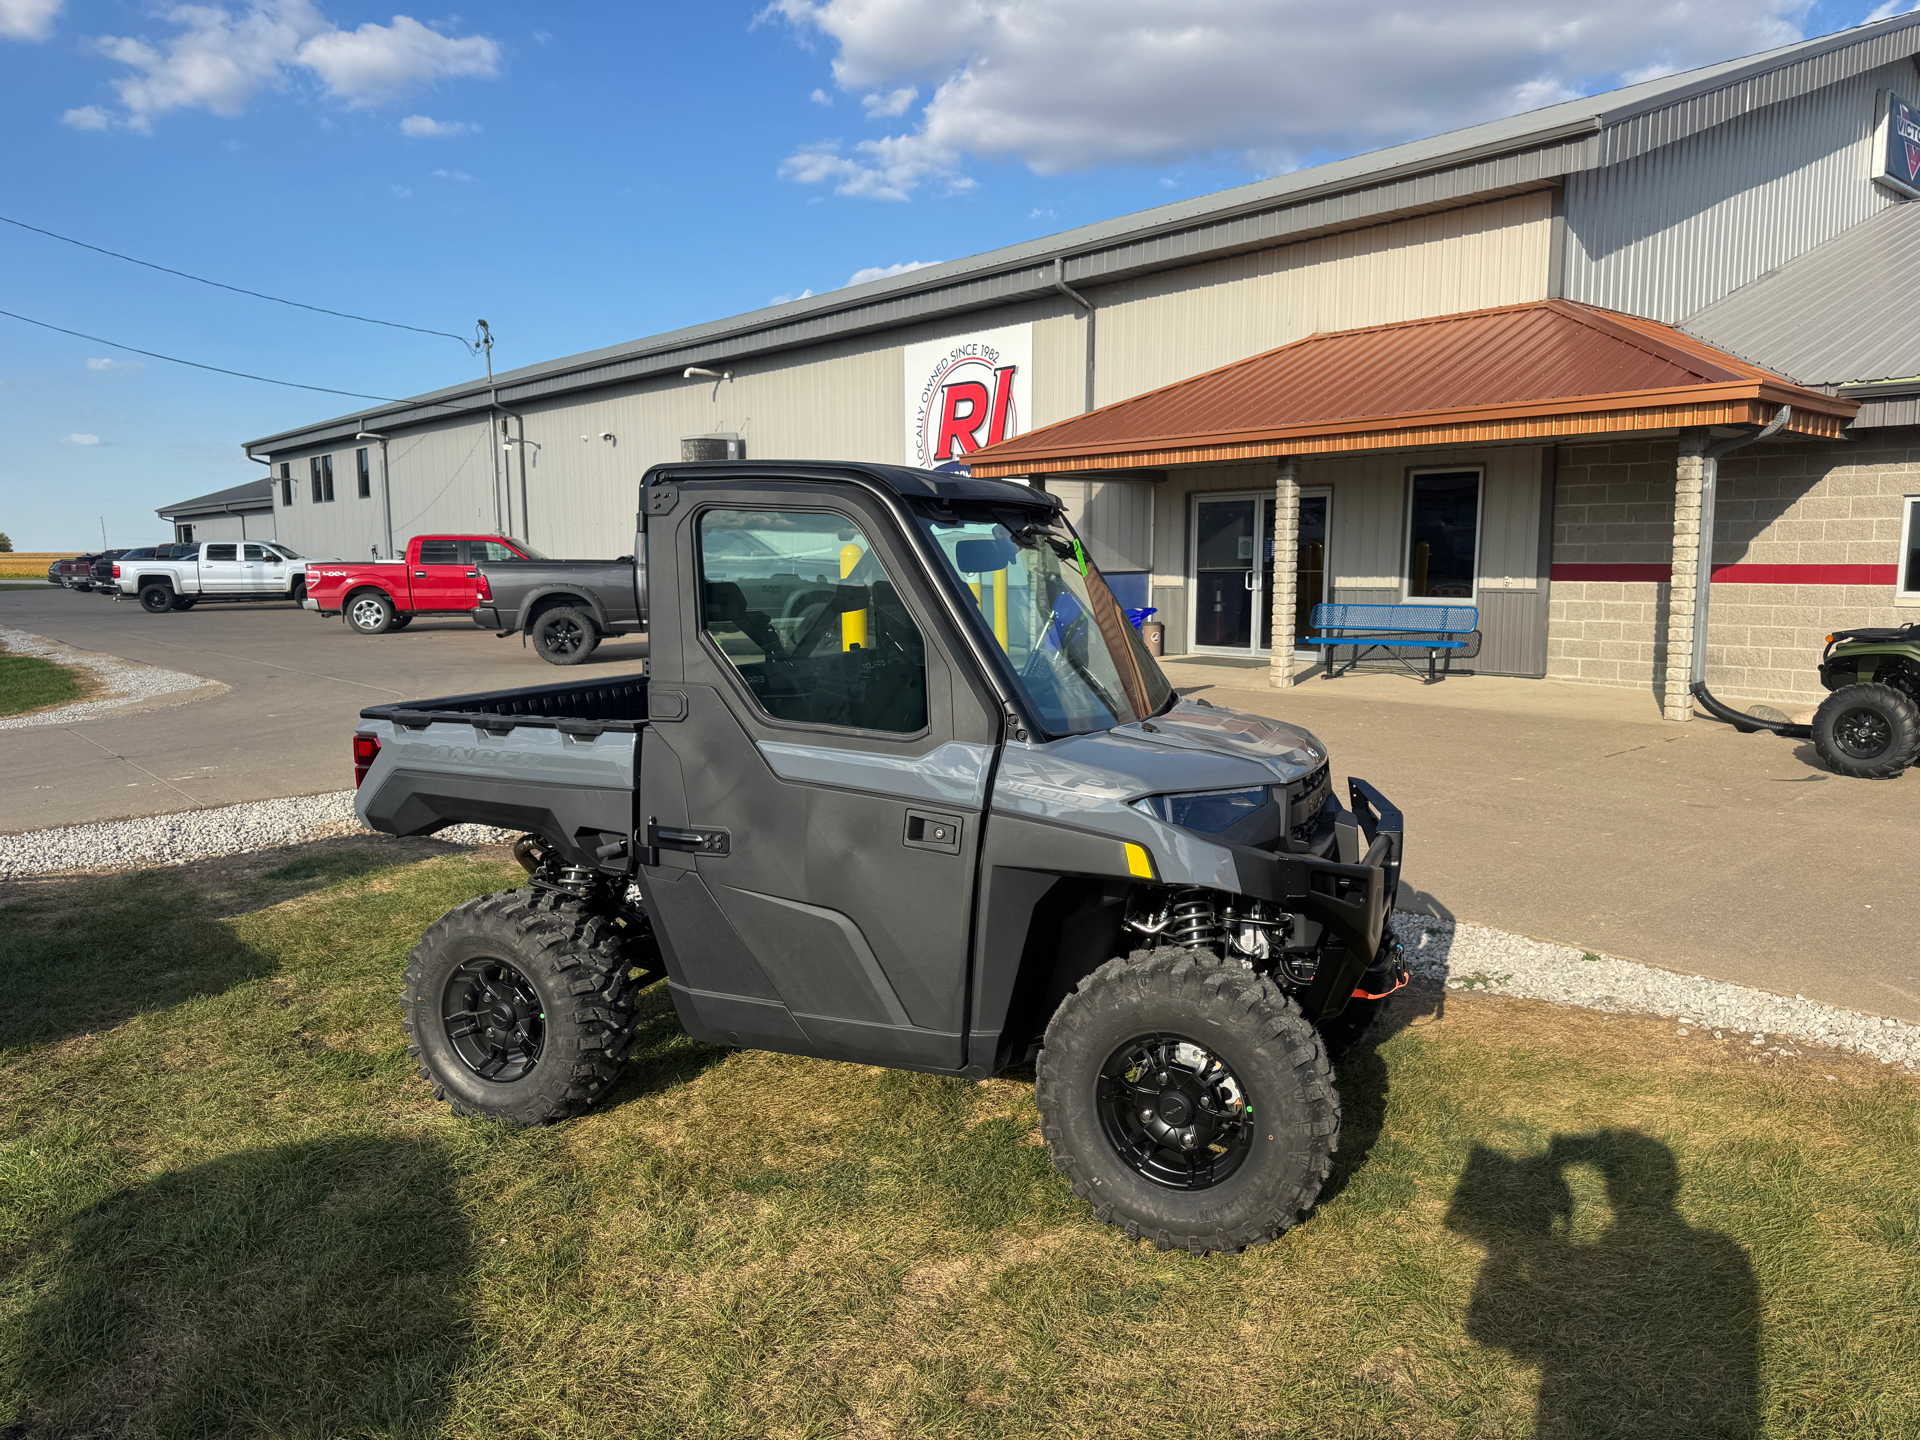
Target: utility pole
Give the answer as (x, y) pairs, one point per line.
(486, 344)
(103, 532)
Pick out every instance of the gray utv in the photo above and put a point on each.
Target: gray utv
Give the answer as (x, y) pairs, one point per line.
(902, 787)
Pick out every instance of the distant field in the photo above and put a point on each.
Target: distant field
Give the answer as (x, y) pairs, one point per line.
(30, 562)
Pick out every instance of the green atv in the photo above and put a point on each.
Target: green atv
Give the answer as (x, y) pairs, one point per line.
(1870, 724)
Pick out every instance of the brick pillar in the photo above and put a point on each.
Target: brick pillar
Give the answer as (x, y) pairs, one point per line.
(1690, 468)
(1287, 540)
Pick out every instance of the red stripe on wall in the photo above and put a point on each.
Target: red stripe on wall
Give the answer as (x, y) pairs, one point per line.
(1873, 575)
(1611, 572)
(1805, 574)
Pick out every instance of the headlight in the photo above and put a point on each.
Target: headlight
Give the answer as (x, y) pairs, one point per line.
(1209, 812)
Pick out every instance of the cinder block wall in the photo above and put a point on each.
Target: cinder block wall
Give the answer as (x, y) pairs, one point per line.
(1794, 503)
(1804, 505)
(1614, 504)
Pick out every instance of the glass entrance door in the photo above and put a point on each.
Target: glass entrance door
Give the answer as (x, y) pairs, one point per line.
(1310, 561)
(1233, 564)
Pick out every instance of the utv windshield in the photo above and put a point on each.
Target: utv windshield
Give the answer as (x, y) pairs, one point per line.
(1080, 665)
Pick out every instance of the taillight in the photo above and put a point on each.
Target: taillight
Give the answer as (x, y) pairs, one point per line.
(116, 572)
(366, 748)
(483, 591)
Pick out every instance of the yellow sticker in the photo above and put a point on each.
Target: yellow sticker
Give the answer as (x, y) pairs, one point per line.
(1138, 863)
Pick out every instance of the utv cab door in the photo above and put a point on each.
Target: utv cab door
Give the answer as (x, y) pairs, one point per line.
(813, 777)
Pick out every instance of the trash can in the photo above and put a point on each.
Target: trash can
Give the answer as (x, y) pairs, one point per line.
(1153, 632)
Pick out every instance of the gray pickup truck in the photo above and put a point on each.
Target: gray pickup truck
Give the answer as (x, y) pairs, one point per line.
(565, 607)
(903, 787)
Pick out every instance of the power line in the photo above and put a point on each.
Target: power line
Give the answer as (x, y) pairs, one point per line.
(176, 360)
(241, 290)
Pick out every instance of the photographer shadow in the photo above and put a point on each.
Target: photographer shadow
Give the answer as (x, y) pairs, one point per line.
(1649, 1328)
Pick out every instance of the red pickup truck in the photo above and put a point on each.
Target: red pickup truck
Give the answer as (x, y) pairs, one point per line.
(438, 577)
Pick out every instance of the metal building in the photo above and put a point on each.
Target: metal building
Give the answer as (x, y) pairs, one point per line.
(1694, 201)
(240, 512)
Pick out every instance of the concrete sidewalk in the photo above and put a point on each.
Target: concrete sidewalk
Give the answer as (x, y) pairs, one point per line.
(1575, 813)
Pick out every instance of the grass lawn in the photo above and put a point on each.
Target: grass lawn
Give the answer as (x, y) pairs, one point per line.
(227, 1206)
(27, 683)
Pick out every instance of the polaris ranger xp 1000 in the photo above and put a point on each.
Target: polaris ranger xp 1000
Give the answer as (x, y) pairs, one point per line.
(902, 787)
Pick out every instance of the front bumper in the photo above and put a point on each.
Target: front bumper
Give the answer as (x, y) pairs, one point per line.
(1351, 894)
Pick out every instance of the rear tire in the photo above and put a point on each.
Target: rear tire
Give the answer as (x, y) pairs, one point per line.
(1184, 1018)
(157, 599)
(370, 613)
(563, 636)
(533, 987)
(1867, 731)
(401, 622)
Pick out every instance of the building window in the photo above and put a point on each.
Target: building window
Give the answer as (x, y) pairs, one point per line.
(1443, 534)
(360, 468)
(286, 483)
(1909, 581)
(320, 470)
(183, 534)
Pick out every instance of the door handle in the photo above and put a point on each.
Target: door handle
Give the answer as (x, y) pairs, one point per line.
(701, 840)
(420, 575)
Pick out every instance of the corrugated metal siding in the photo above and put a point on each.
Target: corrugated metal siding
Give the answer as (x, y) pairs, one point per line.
(1678, 227)
(1116, 518)
(1168, 326)
(1638, 134)
(1888, 412)
(1060, 366)
(1847, 312)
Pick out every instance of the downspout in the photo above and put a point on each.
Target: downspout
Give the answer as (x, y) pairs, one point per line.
(1060, 284)
(1704, 564)
(386, 490)
(268, 462)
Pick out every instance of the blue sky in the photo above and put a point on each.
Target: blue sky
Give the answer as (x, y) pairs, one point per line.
(584, 175)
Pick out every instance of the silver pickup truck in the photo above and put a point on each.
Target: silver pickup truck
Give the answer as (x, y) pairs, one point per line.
(214, 570)
(903, 787)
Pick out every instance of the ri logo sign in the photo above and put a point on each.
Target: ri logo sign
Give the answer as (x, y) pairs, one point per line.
(966, 392)
(1897, 144)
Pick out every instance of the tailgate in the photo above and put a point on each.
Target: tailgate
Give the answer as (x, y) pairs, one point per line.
(571, 782)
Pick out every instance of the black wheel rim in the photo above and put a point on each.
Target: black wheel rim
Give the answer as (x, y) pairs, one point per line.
(563, 637)
(494, 1020)
(1175, 1112)
(1863, 733)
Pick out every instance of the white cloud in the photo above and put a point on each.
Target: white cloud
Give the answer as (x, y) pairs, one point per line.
(401, 192)
(28, 19)
(881, 272)
(783, 299)
(1063, 85)
(1888, 10)
(459, 176)
(80, 438)
(885, 107)
(108, 362)
(821, 97)
(380, 63)
(425, 127)
(87, 117)
(218, 59)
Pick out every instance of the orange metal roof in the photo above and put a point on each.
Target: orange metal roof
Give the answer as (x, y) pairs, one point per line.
(1544, 369)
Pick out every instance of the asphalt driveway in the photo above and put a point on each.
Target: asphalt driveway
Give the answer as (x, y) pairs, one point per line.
(1568, 812)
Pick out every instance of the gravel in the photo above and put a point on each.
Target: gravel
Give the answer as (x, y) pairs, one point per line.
(183, 836)
(1451, 953)
(1464, 957)
(124, 682)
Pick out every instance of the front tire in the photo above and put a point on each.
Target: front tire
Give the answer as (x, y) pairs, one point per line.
(156, 599)
(521, 1007)
(564, 636)
(370, 613)
(1867, 731)
(1189, 1104)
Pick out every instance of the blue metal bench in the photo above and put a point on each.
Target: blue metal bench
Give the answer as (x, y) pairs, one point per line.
(1440, 630)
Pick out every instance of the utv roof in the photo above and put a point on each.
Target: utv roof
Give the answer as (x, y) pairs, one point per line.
(902, 480)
